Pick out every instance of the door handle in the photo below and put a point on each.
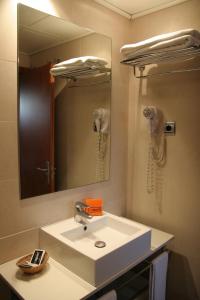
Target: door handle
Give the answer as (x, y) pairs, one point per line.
(46, 170)
(43, 170)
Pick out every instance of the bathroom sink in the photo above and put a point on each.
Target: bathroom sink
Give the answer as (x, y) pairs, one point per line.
(99, 250)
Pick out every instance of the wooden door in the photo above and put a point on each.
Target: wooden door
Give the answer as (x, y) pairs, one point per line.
(36, 131)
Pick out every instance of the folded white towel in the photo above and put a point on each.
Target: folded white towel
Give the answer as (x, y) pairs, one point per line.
(112, 295)
(158, 277)
(159, 38)
(74, 68)
(82, 60)
(79, 65)
(64, 70)
(177, 43)
(80, 73)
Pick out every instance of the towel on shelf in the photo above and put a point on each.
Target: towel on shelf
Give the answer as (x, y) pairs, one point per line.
(80, 65)
(71, 69)
(82, 60)
(178, 43)
(157, 289)
(164, 56)
(63, 70)
(126, 49)
(112, 295)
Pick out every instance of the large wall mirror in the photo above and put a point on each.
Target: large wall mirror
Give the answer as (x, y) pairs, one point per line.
(64, 75)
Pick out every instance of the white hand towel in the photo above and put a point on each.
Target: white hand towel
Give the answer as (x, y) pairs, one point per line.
(71, 69)
(82, 60)
(112, 295)
(174, 44)
(178, 42)
(158, 278)
(63, 70)
(159, 38)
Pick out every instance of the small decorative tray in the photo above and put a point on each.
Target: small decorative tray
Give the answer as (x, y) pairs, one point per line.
(33, 269)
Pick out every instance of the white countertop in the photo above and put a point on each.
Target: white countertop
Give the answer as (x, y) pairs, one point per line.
(57, 282)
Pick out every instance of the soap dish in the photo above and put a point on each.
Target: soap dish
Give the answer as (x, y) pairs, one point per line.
(33, 269)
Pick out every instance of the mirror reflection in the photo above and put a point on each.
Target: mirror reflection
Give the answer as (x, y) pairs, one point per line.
(64, 74)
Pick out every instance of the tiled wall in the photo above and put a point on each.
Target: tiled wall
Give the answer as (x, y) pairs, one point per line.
(19, 216)
(176, 209)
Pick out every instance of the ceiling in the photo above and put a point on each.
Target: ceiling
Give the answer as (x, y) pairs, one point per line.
(137, 8)
(39, 31)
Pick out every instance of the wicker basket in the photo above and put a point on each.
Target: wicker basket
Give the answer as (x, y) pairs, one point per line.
(34, 269)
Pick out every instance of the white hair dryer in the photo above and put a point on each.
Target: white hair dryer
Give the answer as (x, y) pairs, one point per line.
(155, 118)
(101, 120)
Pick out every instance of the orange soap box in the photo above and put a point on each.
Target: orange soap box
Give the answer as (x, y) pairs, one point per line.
(94, 206)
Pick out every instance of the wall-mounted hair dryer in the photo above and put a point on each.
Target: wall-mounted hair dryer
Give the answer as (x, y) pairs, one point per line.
(155, 118)
(101, 120)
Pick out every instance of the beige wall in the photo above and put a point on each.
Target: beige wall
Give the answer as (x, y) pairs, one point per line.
(94, 44)
(77, 141)
(24, 60)
(17, 215)
(176, 209)
(176, 96)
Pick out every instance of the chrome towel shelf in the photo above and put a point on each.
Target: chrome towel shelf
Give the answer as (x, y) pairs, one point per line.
(87, 78)
(139, 63)
(81, 74)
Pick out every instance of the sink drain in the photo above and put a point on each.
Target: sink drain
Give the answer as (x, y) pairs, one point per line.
(100, 244)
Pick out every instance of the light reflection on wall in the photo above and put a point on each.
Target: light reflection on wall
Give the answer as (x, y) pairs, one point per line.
(44, 5)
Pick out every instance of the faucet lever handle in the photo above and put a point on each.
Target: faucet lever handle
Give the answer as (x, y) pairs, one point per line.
(80, 206)
(80, 210)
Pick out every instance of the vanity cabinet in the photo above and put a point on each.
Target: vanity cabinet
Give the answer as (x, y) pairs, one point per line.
(135, 284)
(132, 285)
(6, 293)
(14, 297)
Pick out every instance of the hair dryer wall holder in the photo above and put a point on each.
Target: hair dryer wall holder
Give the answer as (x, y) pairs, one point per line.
(170, 128)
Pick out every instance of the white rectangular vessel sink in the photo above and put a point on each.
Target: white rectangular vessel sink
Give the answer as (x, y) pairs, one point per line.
(99, 250)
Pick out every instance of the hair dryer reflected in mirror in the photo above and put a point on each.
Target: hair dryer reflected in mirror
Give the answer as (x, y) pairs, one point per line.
(101, 120)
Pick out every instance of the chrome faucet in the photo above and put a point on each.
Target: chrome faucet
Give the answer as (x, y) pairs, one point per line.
(81, 215)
